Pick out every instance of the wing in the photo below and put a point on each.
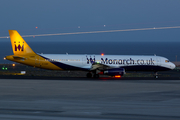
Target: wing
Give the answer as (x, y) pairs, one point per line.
(99, 66)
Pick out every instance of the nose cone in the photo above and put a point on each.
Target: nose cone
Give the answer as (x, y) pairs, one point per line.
(172, 66)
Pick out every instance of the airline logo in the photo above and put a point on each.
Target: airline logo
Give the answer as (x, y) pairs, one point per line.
(129, 61)
(19, 47)
(90, 60)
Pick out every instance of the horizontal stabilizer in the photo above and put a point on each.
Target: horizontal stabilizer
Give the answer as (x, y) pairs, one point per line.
(19, 58)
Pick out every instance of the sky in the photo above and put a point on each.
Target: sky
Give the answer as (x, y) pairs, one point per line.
(69, 16)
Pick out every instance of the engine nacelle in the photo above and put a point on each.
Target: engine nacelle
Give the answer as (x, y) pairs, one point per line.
(115, 71)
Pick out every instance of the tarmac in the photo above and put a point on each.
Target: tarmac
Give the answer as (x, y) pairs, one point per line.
(87, 99)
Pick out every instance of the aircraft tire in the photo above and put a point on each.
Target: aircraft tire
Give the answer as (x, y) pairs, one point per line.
(96, 75)
(156, 77)
(89, 75)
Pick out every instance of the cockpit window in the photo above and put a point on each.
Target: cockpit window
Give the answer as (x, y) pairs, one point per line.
(166, 60)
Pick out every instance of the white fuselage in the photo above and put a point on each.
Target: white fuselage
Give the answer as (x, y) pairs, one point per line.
(129, 62)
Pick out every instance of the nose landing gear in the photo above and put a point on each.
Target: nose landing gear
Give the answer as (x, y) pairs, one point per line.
(156, 75)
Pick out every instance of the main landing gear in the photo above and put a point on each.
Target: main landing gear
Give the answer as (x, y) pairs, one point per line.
(90, 75)
(96, 76)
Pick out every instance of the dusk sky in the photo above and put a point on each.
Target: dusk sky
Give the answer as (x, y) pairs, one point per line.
(66, 16)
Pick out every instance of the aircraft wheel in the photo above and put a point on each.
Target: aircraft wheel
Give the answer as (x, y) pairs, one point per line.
(96, 75)
(156, 76)
(89, 75)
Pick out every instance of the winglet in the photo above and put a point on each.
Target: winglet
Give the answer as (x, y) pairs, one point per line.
(19, 45)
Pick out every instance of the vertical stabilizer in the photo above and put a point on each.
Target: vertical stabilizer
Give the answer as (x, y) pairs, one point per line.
(19, 45)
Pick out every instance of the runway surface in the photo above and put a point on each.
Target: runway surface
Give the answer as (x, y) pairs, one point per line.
(33, 99)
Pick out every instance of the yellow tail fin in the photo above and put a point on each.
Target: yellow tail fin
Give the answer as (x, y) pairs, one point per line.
(19, 45)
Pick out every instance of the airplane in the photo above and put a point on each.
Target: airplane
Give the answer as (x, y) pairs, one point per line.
(112, 65)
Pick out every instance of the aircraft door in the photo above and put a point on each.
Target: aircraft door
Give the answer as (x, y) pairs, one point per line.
(84, 61)
(158, 60)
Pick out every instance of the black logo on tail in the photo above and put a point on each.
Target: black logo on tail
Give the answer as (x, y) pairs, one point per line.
(19, 47)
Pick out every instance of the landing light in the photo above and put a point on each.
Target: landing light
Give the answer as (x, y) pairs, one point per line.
(102, 54)
(4, 58)
(13, 65)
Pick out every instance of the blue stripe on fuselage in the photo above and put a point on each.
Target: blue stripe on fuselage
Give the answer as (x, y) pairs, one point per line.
(145, 68)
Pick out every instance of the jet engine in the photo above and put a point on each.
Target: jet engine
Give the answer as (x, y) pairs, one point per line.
(115, 71)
